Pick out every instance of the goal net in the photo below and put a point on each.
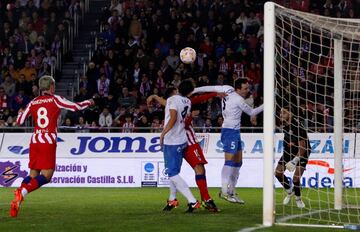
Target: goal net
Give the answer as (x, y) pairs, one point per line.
(312, 68)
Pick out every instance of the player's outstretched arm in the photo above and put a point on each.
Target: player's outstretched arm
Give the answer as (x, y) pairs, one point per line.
(155, 97)
(73, 106)
(251, 111)
(202, 98)
(214, 88)
(23, 115)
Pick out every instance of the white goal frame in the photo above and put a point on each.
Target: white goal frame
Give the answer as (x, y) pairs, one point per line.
(269, 120)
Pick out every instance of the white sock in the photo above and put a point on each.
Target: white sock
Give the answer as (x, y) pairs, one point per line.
(289, 191)
(183, 188)
(225, 178)
(24, 192)
(172, 191)
(234, 179)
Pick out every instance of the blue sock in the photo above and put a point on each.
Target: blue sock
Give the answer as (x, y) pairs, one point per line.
(41, 179)
(26, 180)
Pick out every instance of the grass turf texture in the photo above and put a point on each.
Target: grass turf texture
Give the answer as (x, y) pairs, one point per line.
(128, 209)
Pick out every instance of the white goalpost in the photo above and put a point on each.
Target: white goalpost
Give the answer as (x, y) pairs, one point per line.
(312, 64)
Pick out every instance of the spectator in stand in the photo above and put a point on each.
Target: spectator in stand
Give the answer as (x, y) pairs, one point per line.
(156, 125)
(143, 124)
(128, 126)
(126, 99)
(8, 85)
(3, 98)
(103, 86)
(116, 5)
(177, 80)
(198, 121)
(105, 118)
(145, 87)
(207, 126)
(27, 71)
(82, 125)
(254, 77)
(172, 59)
(19, 100)
(68, 126)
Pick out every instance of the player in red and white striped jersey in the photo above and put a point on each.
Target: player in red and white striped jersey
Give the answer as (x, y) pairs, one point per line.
(44, 110)
(193, 155)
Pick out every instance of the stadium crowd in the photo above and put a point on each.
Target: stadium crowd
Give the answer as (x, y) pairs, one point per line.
(137, 55)
(32, 33)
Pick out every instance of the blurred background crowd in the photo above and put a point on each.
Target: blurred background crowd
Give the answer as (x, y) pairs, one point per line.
(137, 54)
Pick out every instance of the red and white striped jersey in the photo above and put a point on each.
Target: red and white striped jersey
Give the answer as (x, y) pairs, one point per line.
(128, 127)
(45, 111)
(190, 134)
(189, 130)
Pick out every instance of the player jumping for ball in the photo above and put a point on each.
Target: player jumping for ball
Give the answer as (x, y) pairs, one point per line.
(193, 155)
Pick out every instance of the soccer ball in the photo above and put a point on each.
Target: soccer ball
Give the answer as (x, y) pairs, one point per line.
(187, 55)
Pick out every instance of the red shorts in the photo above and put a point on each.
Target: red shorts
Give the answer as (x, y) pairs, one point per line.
(42, 156)
(194, 155)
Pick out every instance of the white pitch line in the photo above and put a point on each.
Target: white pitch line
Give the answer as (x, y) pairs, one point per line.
(284, 219)
(281, 220)
(250, 229)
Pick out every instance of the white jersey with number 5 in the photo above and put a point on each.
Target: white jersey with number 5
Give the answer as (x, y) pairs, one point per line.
(182, 105)
(232, 105)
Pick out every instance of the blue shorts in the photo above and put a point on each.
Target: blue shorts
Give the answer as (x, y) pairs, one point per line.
(231, 140)
(173, 156)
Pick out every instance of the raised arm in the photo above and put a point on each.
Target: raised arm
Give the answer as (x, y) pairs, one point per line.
(251, 111)
(155, 97)
(23, 115)
(202, 98)
(214, 88)
(73, 106)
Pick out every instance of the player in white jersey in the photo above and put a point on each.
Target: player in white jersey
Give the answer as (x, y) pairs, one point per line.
(194, 155)
(233, 105)
(174, 140)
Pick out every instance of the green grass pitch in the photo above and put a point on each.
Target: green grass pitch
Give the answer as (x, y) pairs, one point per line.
(128, 209)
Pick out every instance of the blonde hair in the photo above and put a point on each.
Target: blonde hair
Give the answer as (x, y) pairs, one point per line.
(45, 82)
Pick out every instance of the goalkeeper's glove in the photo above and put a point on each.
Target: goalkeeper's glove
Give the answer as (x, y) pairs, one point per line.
(291, 165)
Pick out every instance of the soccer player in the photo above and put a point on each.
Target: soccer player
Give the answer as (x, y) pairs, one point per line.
(193, 154)
(45, 110)
(295, 157)
(174, 141)
(232, 107)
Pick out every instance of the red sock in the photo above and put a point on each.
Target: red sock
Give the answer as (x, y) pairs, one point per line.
(202, 185)
(32, 185)
(23, 185)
